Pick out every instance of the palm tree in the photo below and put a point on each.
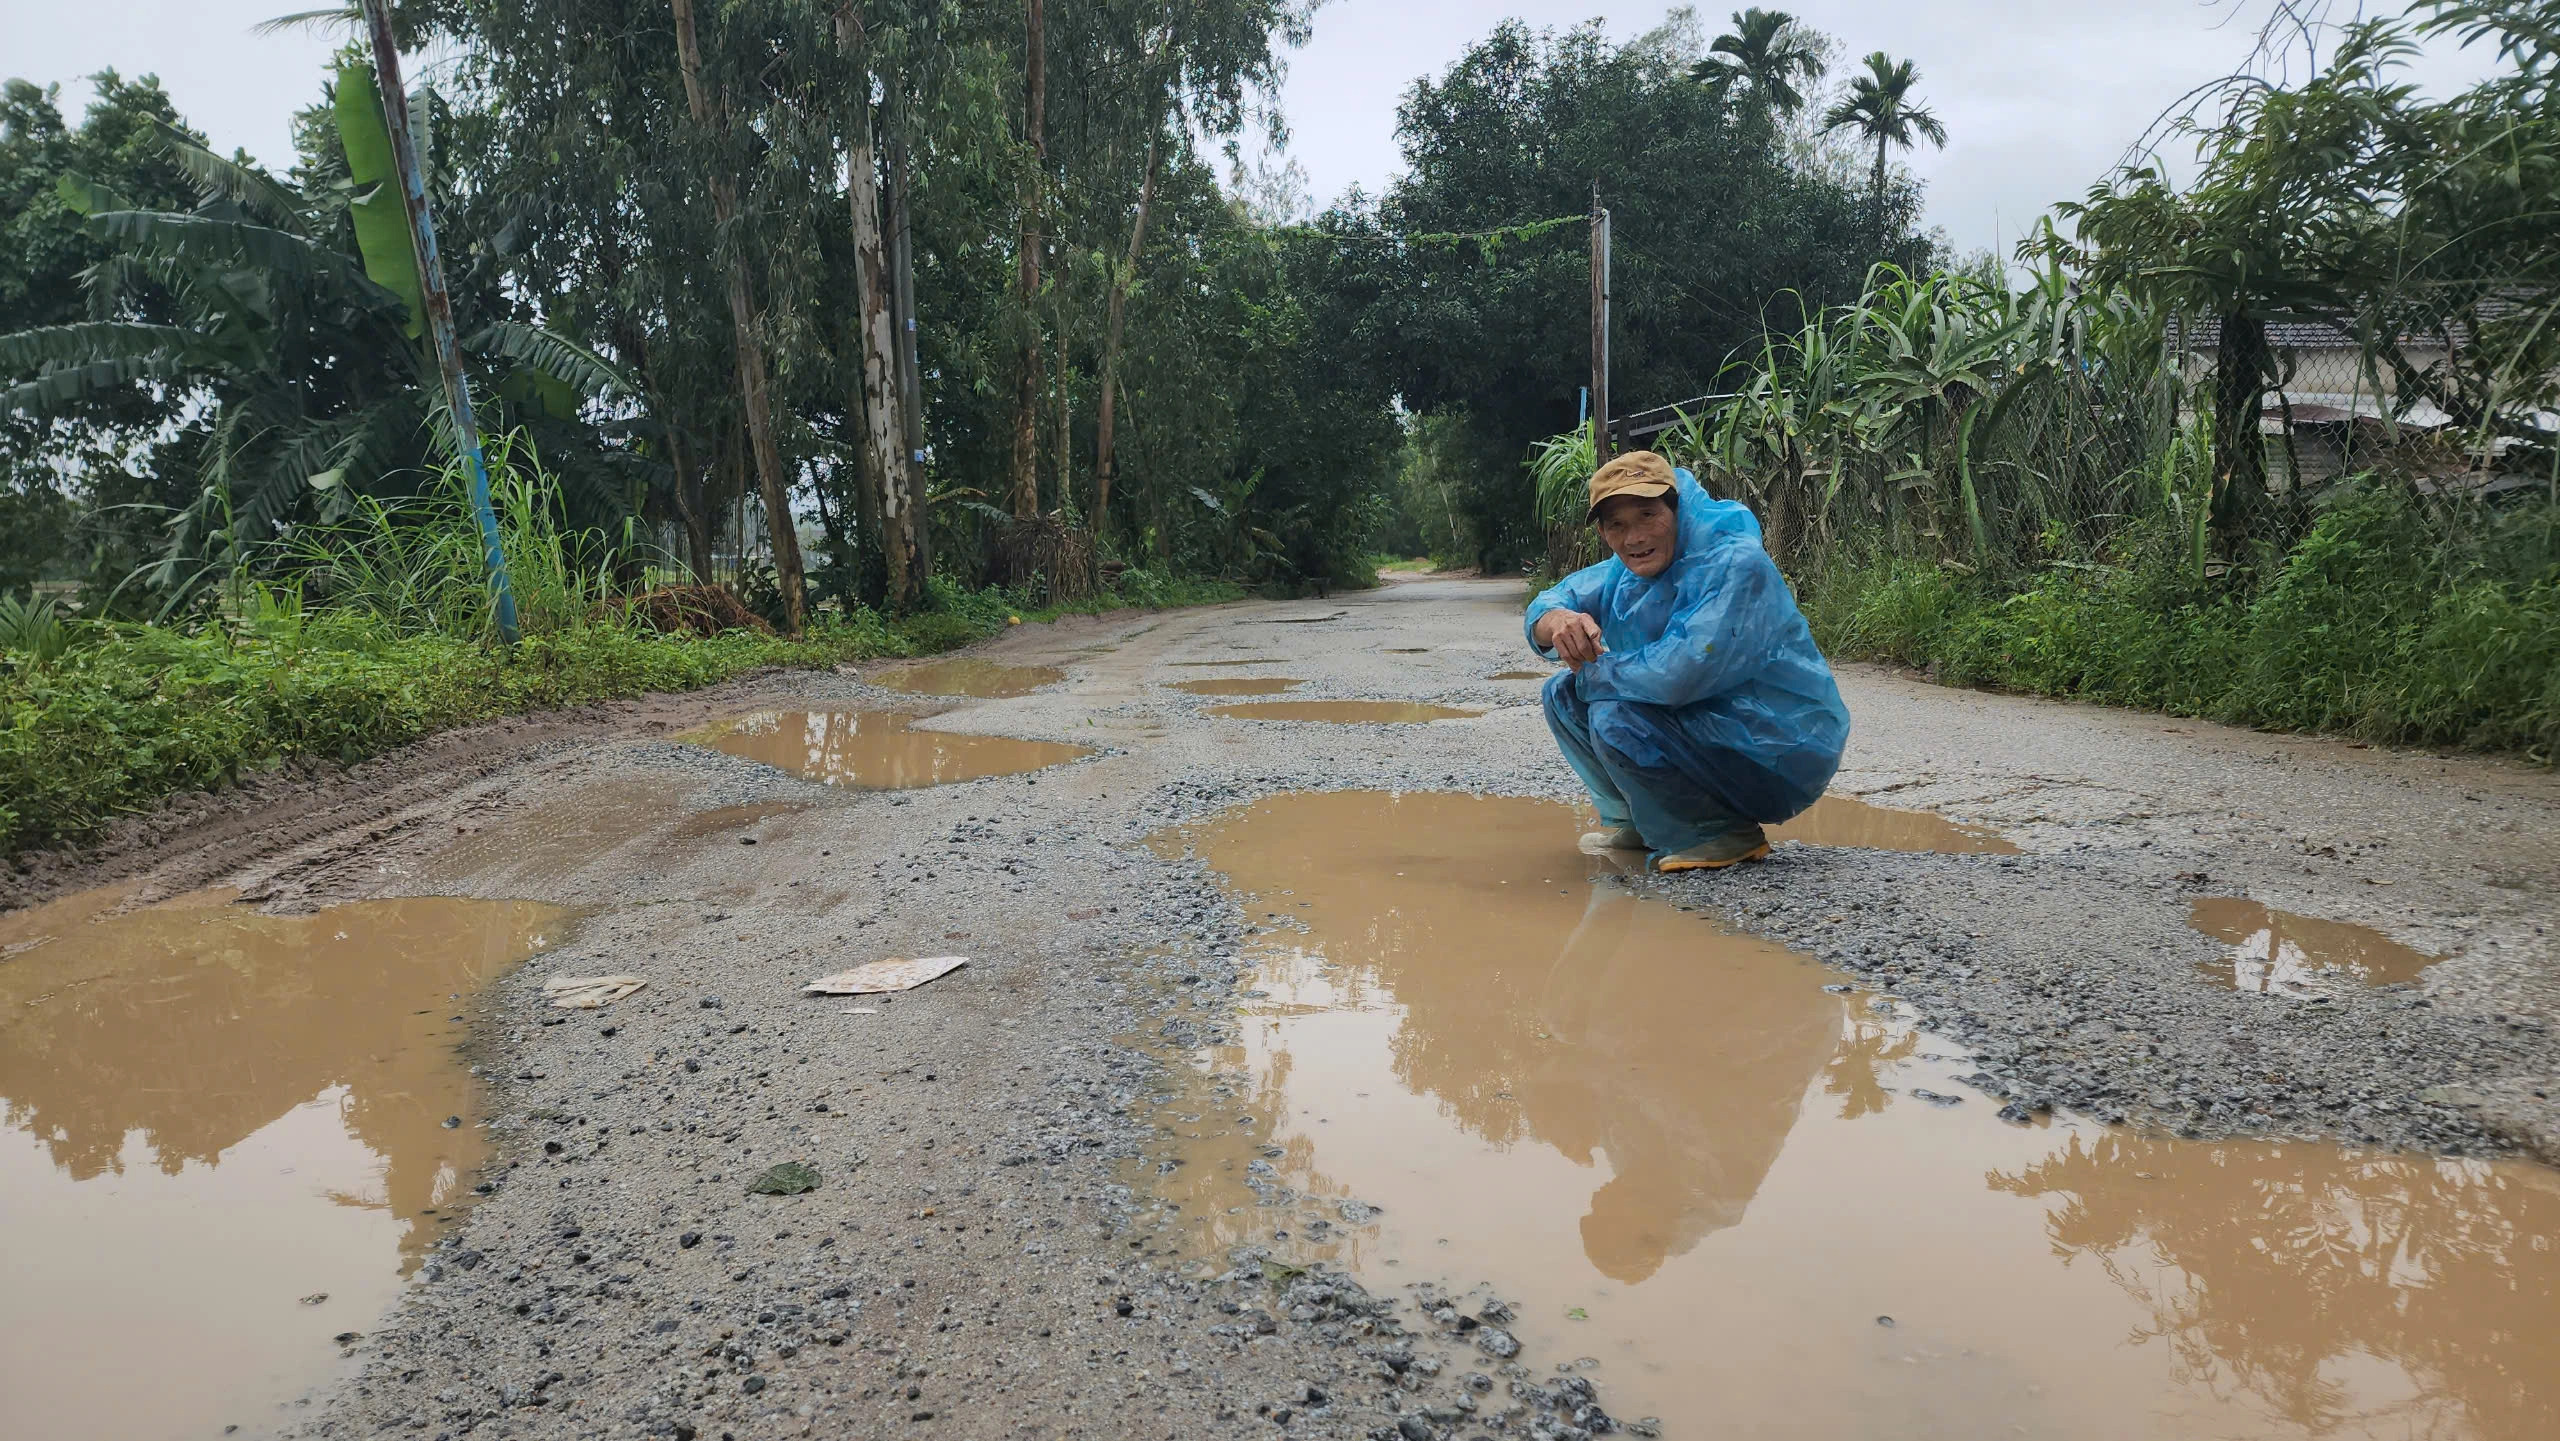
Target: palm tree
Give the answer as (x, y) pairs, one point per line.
(1768, 51)
(1879, 106)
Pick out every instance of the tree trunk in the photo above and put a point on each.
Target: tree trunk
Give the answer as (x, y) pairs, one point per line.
(688, 497)
(1879, 193)
(2239, 451)
(884, 424)
(1106, 455)
(1026, 395)
(1064, 445)
(753, 386)
(902, 327)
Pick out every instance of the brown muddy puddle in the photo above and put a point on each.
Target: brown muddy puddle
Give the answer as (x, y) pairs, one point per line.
(1343, 712)
(1520, 675)
(1838, 820)
(2279, 953)
(968, 676)
(1248, 660)
(225, 1145)
(1676, 1155)
(876, 750)
(1259, 685)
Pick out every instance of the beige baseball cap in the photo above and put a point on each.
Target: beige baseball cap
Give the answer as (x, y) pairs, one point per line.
(1638, 472)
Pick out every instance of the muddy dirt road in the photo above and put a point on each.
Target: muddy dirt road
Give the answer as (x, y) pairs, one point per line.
(2074, 1073)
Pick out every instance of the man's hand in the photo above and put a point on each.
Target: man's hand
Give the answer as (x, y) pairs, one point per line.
(1573, 636)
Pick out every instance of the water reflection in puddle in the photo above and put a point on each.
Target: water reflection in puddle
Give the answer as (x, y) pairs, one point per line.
(1256, 686)
(212, 1117)
(968, 676)
(876, 750)
(2280, 953)
(1343, 712)
(1674, 1152)
(1838, 820)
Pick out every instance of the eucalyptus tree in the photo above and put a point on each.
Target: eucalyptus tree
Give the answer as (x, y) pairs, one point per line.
(1035, 142)
(1190, 72)
(710, 110)
(1768, 53)
(1880, 107)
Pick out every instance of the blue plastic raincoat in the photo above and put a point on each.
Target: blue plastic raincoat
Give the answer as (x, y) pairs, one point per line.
(1711, 707)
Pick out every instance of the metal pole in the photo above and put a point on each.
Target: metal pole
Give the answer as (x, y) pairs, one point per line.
(1599, 329)
(439, 306)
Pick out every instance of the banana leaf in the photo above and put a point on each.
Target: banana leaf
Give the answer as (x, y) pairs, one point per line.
(381, 220)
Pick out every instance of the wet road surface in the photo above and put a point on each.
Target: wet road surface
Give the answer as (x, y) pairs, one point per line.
(1734, 1141)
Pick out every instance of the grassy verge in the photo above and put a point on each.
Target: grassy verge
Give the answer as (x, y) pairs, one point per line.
(138, 713)
(2378, 625)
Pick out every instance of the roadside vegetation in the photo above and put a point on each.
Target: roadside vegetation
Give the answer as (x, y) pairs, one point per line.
(2276, 448)
(383, 639)
(806, 333)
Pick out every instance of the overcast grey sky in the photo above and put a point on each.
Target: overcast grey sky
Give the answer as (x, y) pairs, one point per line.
(2039, 98)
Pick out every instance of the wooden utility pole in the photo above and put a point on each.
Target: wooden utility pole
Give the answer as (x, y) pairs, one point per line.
(753, 386)
(1599, 329)
(438, 305)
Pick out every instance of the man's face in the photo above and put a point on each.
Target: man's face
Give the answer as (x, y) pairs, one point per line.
(1643, 531)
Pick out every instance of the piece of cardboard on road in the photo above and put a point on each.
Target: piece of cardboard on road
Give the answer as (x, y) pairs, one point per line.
(880, 976)
(586, 993)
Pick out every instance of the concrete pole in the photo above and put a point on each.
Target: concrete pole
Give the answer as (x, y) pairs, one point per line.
(1599, 329)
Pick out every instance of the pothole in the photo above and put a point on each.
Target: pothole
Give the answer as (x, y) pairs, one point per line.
(1247, 660)
(1343, 712)
(2276, 952)
(226, 1144)
(1467, 1053)
(1520, 675)
(1838, 820)
(1273, 685)
(968, 676)
(876, 750)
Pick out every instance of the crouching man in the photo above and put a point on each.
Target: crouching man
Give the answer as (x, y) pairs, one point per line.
(1696, 708)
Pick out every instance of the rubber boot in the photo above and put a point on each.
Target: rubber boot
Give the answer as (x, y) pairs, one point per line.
(1746, 842)
(1624, 838)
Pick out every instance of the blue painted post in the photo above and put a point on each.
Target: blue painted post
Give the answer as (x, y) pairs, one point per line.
(439, 307)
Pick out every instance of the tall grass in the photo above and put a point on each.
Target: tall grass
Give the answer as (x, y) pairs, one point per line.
(2396, 619)
(416, 564)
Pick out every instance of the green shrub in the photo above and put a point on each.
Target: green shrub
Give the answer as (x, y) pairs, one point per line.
(136, 713)
(2390, 620)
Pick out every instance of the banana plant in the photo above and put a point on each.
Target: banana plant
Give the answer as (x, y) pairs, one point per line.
(253, 311)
